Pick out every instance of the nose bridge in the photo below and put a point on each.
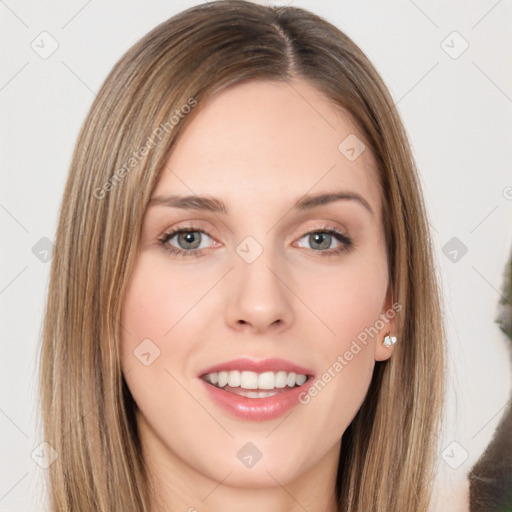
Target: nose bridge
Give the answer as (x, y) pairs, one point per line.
(258, 297)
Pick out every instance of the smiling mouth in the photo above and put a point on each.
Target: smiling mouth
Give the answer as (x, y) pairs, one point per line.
(253, 384)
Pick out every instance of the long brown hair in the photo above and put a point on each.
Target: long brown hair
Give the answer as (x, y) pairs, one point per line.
(388, 452)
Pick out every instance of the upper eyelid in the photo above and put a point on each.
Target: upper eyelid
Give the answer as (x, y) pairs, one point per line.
(185, 229)
(194, 226)
(206, 232)
(171, 233)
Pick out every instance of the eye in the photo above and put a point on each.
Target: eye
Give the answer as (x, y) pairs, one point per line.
(191, 241)
(326, 241)
(185, 241)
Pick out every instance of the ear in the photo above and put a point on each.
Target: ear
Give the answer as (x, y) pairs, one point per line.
(388, 315)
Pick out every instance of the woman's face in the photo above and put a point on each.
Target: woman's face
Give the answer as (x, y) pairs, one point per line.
(276, 266)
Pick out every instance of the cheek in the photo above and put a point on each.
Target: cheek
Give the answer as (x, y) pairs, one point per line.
(347, 366)
(163, 324)
(150, 313)
(346, 300)
(158, 298)
(157, 310)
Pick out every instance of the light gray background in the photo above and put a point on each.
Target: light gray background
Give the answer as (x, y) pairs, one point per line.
(458, 115)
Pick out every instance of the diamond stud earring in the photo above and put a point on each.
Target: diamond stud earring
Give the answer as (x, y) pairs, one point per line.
(389, 340)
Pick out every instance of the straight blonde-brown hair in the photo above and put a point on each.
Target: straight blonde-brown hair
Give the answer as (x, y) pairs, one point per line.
(389, 451)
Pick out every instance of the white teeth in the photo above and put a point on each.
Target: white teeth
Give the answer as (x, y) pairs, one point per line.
(234, 379)
(249, 380)
(257, 394)
(281, 379)
(223, 379)
(253, 380)
(301, 379)
(266, 380)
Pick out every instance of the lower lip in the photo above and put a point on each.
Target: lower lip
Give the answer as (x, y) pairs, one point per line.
(257, 409)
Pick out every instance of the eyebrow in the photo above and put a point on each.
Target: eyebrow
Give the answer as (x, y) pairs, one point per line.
(215, 205)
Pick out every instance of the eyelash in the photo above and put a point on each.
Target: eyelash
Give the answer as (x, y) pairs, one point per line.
(347, 243)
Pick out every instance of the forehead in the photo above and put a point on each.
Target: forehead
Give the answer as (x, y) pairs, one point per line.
(270, 140)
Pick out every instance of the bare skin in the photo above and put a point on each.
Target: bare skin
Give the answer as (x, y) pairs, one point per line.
(259, 148)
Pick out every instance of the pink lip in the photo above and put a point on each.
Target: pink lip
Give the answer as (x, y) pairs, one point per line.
(257, 409)
(252, 365)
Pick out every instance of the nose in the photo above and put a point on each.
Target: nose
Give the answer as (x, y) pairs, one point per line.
(259, 299)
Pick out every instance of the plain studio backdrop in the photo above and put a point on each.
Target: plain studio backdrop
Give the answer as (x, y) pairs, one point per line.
(447, 67)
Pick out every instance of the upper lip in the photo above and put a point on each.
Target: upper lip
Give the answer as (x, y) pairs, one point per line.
(258, 366)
